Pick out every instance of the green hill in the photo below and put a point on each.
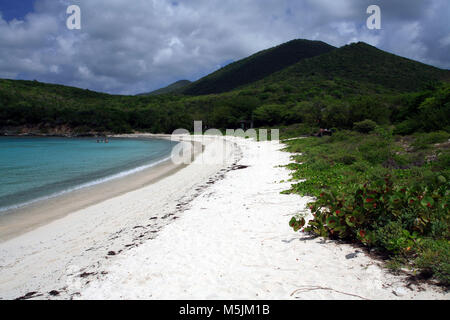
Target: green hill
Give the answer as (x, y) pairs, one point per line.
(335, 89)
(43, 108)
(257, 66)
(389, 116)
(173, 88)
(361, 63)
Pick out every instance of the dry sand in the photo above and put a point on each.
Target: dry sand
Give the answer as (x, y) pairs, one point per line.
(215, 231)
(235, 243)
(44, 259)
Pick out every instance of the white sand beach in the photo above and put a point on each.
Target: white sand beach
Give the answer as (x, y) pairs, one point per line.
(207, 231)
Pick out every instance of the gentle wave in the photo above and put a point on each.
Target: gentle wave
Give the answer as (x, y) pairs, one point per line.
(86, 185)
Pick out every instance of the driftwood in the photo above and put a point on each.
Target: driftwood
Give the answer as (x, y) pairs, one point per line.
(311, 288)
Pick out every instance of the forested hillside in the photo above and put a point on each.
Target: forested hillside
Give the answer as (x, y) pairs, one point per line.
(363, 63)
(176, 87)
(257, 66)
(335, 89)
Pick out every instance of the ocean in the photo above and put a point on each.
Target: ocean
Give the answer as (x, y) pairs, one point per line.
(34, 169)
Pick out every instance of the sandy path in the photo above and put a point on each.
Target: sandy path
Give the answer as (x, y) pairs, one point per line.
(67, 253)
(234, 242)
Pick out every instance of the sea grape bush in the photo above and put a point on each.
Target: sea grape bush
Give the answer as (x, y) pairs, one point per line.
(357, 216)
(382, 191)
(381, 214)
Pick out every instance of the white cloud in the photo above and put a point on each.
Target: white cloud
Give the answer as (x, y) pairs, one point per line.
(140, 45)
(445, 41)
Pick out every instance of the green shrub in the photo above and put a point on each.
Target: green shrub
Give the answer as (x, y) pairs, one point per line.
(424, 140)
(347, 159)
(361, 166)
(394, 218)
(375, 150)
(365, 126)
(359, 200)
(407, 127)
(434, 258)
(434, 110)
(443, 161)
(394, 238)
(297, 130)
(268, 114)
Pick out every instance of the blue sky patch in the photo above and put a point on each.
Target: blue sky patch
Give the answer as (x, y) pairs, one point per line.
(11, 9)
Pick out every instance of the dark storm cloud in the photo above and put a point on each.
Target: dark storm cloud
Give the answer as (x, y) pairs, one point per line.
(140, 45)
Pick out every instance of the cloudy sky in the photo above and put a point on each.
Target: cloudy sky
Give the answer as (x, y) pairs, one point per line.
(133, 46)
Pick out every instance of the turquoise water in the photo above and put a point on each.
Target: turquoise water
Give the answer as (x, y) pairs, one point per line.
(32, 169)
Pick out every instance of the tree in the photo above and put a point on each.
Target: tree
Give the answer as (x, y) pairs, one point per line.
(270, 114)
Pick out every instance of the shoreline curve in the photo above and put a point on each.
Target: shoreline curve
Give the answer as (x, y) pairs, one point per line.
(25, 218)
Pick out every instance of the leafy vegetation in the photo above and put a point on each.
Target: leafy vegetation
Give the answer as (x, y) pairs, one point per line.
(365, 126)
(362, 63)
(175, 87)
(382, 178)
(46, 106)
(376, 189)
(311, 98)
(257, 66)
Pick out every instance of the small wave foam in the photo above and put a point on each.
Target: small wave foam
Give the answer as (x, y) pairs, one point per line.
(86, 185)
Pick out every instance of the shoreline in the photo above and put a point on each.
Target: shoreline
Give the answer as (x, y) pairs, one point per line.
(205, 232)
(43, 259)
(17, 221)
(234, 242)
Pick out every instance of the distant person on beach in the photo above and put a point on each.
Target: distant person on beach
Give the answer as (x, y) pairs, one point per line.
(323, 132)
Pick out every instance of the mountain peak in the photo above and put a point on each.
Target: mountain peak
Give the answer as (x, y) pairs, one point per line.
(361, 45)
(363, 63)
(258, 66)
